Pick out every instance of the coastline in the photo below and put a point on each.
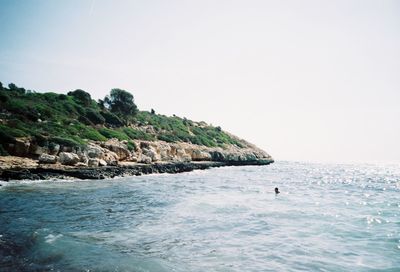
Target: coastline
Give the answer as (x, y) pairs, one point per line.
(133, 169)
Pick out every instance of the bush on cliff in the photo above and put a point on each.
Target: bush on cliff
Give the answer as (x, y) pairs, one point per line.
(81, 97)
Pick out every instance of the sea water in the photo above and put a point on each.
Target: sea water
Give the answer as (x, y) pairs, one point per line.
(326, 218)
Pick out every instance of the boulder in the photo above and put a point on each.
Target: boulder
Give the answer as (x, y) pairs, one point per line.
(110, 157)
(199, 155)
(83, 157)
(133, 159)
(68, 158)
(45, 158)
(93, 162)
(144, 159)
(102, 162)
(95, 151)
(152, 153)
(118, 148)
(112, 163)
(38, 150)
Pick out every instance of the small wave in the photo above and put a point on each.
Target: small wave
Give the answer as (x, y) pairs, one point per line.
(51, 238)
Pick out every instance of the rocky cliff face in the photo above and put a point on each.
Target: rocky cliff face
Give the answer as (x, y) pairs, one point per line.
(112, 152)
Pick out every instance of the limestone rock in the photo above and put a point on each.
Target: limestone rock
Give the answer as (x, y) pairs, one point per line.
(102, 162)
(200, 155)
(113, 163)
(151, 152)
(144, 159)
(118, 148)
(94, 151)
(68, 158)
(110, 157)
(93, 162)
(45, 158)
(38, 150)
(83, 157)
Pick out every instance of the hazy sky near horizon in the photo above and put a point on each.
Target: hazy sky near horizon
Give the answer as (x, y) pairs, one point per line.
(304, 80)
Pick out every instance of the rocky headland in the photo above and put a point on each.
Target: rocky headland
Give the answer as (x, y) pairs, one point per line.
(51, 135)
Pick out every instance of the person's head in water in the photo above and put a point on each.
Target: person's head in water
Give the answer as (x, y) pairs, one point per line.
(276, 190)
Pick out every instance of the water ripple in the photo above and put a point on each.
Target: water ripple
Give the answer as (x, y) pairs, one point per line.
(327, 218)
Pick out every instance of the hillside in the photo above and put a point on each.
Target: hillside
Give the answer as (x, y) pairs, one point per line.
(41, 126)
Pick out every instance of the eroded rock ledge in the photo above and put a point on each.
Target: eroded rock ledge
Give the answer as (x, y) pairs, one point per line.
(100, 160)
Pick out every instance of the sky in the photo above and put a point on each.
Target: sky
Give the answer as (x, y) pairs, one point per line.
(304, 80)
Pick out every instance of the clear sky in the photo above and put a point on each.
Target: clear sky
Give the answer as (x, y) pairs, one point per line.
(304, 80)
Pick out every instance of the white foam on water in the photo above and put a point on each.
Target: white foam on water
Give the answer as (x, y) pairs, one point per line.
(51, 238)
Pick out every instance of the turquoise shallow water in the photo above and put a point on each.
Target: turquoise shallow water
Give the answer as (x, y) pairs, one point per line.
(327, 218)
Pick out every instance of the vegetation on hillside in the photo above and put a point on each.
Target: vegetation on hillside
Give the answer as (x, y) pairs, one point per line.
(75, 118)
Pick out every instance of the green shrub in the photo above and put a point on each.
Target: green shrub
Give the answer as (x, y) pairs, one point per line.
(111, 119)
(168, 138)
(94, 116)
(110, 133)
(3, 97)
(131, 146)
(71, 142)
(138, 134)
(12, 87)
(7, 134)
(84, 120)
(63, 97)
(39, 139)
(51, 97)
(92, 134)
(81, 97)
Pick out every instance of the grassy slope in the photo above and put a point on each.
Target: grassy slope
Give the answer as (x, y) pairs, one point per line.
(58, 118)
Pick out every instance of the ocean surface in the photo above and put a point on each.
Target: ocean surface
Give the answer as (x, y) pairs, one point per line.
(326, 218)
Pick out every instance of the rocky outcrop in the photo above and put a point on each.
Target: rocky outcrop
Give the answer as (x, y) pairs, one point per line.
(93, 162)
(119, 148)
(68, 158)
(114, 151)
(56, 160)
(45, 158)
(20, 147)
(184, 152)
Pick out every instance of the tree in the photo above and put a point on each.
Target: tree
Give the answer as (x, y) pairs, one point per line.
(15, 88)
(101, 104)
(153, 111)
(12, 87)
(121, 102)
(81, 97)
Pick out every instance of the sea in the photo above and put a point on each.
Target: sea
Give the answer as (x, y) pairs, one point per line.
(327, 217)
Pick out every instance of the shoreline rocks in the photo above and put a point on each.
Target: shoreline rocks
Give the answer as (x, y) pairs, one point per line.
(110, 158)
(136, 169)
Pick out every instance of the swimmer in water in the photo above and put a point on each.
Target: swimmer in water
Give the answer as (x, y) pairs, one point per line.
(276, 190)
